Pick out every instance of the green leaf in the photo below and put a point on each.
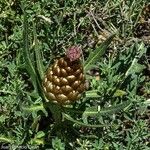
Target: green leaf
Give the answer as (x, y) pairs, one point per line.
(147, 102)
(39, 63)
(119, 93)
(95, 111)
(35, 123)
(6, 139)
(3, 118)
(36, 108)
(37, 141)
(28, 63)
(135, 67)
(92, 94)
(95, 55)
(40, 134)
(66, 116)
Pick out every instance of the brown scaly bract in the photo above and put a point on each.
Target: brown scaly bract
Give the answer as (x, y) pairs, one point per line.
(64, 81)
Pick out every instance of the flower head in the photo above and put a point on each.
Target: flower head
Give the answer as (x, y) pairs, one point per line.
(73, 53)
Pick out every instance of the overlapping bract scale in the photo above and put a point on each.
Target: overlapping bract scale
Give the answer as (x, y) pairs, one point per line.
(64, 81)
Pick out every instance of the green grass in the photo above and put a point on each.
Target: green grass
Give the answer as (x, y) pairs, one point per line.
(114, 111)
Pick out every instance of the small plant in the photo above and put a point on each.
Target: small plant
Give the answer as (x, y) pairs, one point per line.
(73, 75)
(65, 80)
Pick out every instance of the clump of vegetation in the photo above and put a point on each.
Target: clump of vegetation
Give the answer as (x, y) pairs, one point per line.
(113, 111)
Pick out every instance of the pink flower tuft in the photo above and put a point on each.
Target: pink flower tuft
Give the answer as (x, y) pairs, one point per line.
(73, 53)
